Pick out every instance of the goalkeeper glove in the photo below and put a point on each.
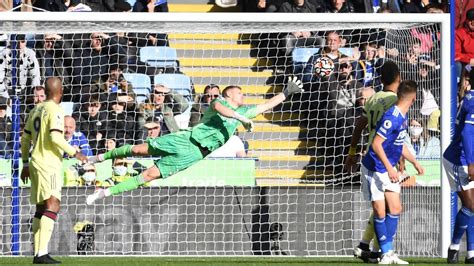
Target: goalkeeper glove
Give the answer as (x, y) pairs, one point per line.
(293, 86)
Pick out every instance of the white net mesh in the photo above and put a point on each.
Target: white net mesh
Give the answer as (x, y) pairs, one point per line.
(304, 203)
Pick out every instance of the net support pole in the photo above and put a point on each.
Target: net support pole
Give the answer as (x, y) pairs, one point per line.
(15, 211)
(448, 107)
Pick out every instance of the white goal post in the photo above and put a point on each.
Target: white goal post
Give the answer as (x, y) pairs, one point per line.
(296, 177)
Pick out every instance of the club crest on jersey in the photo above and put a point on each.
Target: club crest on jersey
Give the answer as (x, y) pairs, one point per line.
(468, 96)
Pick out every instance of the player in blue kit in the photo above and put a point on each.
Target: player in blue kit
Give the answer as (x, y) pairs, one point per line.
(458, 161)
(380, 178)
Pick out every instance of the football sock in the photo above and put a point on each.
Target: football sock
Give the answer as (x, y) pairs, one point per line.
(36, 231)
(391, 222)
(46, 230)
(121, 152)
(462, 221)
(127, 185)
(470, 238)
(381, 233)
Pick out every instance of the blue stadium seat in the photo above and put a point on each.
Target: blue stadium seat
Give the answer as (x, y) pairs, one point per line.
(131, 2)
(159, 56)
(300, 57)
(177, 82)
(141, 85)
(346, 51)
(68, 107)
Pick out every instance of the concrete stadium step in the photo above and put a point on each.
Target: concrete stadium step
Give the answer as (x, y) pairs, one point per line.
(292, 158)
(208, 36)
(272, 128)
(218, 79)
(182, 53)
(222, 62)
(220, 72)
(209, 45)
(246, 89)
(268, 135)
(200, 8)
(285, 164)
(280, 145)
(279, 116)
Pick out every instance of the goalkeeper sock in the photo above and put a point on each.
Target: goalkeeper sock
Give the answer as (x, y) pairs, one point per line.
(127, 185)
(369, 232)
(381, 232)
(462, 221)
(46, 230)
(391, 222)
(121, 152)
(36, 231)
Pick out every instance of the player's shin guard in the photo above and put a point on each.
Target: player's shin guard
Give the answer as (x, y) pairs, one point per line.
(382, 235)
(46, 230)
(462, 221)
(127, 185)
(391, 222)
(121, 152)
(36, 231)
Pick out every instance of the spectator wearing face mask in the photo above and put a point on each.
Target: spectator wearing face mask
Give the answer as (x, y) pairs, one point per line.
(425, 144)
(80, 176)
(120, 172)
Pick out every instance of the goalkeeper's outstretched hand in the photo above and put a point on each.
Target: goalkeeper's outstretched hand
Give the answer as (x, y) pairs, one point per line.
(293, 86)
(248, 125)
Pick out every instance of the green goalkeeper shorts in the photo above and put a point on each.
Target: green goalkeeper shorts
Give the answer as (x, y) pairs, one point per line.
(176, 150)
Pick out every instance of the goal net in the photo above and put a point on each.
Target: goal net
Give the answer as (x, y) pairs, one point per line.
(279, 190)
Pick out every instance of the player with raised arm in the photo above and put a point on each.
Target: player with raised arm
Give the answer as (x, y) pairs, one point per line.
(184, 148)
(373, 110)
(380, 178)
(44, 131)
(458, 161)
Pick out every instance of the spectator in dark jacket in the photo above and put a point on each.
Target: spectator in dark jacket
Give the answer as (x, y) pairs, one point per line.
(93, 122)
(93, 61)
(121, 122)
(339, 6)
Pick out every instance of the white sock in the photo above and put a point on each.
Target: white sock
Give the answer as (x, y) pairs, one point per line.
(470, 254)
(42, 252)
(454, 246)
(107, 192)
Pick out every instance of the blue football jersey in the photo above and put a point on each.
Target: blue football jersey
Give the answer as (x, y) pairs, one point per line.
(393, 128)
(461, 149)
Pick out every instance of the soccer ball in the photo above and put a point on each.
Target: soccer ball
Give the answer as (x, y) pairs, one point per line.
(323, 67)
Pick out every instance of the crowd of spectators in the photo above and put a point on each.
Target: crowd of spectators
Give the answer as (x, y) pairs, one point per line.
(106, 110)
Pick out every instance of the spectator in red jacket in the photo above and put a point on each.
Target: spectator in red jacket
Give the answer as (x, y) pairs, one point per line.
(464, 43)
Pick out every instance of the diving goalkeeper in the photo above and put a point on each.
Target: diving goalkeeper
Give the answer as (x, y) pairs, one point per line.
(184, 148)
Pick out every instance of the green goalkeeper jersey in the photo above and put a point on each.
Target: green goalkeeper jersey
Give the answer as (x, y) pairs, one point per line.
(215, 129)
(374, 109)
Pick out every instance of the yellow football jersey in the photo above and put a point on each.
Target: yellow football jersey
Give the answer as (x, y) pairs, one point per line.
(42, 120)
(374, 109)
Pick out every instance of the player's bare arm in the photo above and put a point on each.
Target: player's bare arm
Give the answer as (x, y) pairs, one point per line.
(378, 149)
(411, 158)
(351, 160)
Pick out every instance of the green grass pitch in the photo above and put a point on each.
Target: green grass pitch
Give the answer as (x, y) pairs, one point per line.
(210, 261)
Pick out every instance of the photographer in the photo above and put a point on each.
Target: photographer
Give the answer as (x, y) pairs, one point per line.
(163, 102)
